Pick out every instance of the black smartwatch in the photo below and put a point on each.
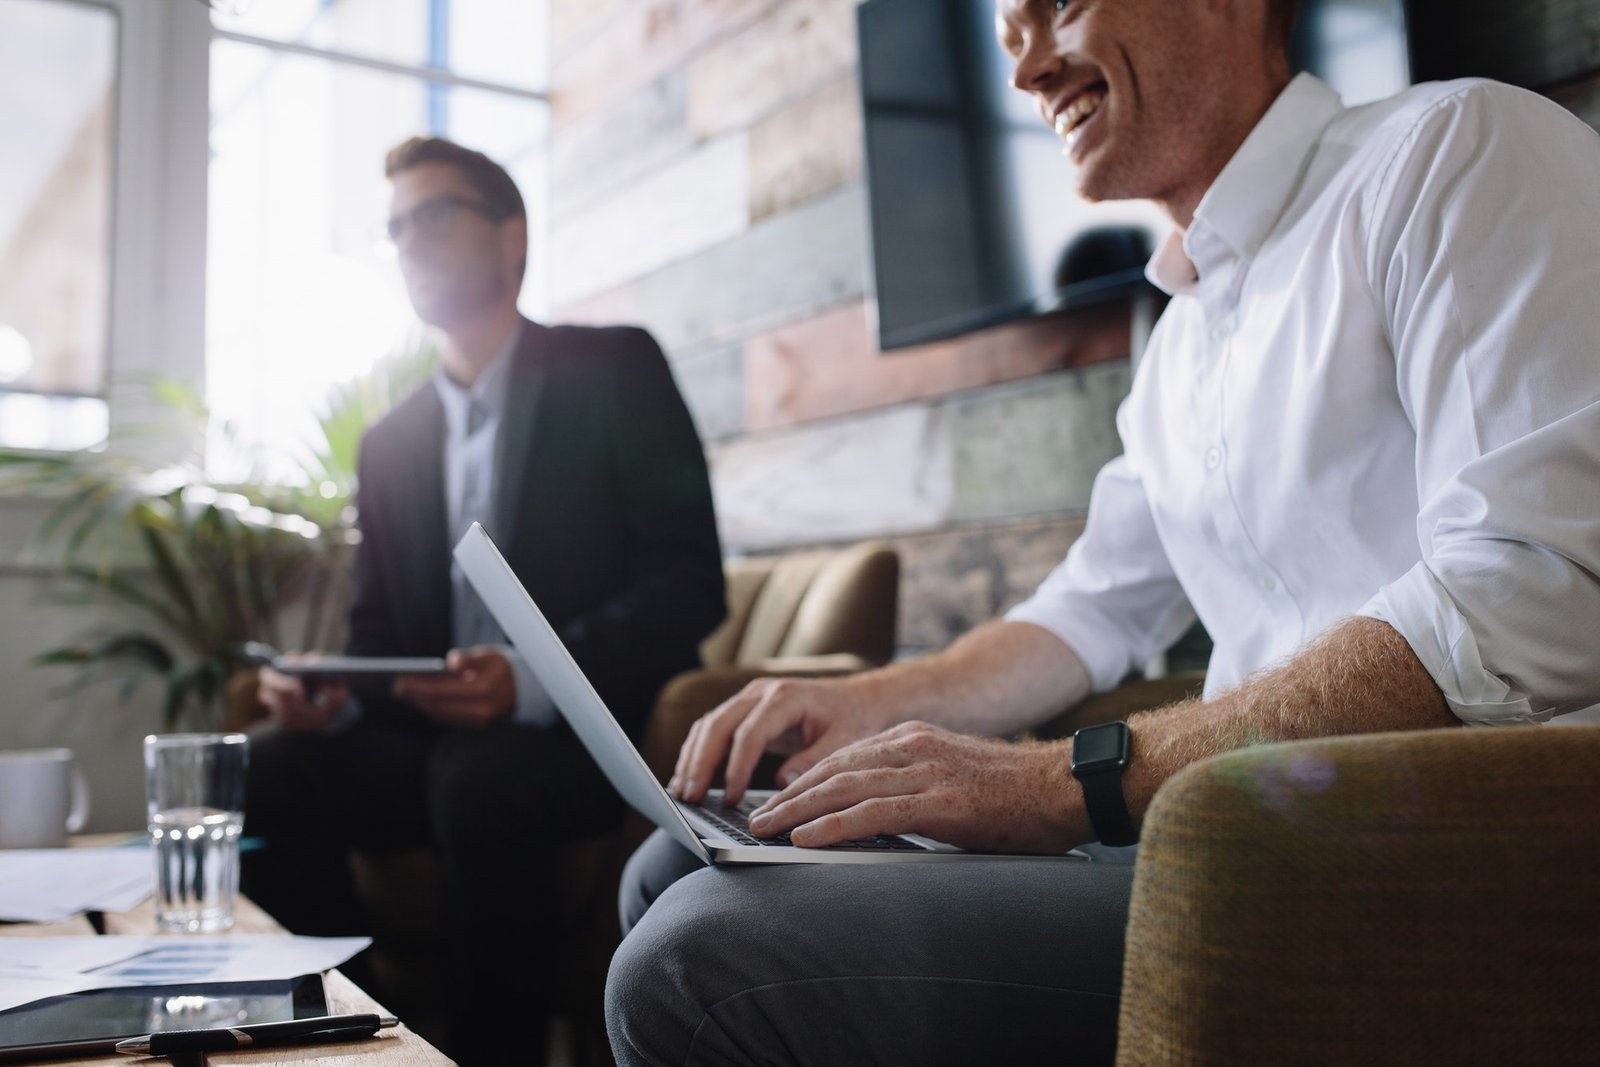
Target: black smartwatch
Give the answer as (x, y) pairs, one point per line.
(1099, 756)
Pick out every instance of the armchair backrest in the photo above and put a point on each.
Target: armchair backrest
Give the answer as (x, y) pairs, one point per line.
(1427, 897)
(809, 604)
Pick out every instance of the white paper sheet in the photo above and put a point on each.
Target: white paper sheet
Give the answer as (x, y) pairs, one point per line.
(32, 968)
(46, 885)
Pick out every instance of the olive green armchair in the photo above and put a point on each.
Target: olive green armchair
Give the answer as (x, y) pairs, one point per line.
(805, 614)
(1429, 897)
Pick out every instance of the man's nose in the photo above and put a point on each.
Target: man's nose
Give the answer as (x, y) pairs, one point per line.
(404, 238)
(1037, 63)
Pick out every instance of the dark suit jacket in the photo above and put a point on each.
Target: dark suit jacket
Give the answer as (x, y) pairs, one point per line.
(603, 510)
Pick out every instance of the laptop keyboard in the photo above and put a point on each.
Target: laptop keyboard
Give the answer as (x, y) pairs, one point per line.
(734, 820)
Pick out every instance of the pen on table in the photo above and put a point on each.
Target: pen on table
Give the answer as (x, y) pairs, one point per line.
(315, 1031)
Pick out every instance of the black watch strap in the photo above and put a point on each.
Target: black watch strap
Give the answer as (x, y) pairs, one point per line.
(1099, 756)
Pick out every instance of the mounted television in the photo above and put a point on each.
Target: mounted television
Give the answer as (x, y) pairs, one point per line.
(974, 216)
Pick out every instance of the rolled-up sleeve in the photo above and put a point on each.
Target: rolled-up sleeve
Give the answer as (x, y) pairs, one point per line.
(1483, 246)
(1114, 600)
(1504, 611)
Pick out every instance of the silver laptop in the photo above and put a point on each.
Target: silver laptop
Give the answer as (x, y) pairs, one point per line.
(715, 833)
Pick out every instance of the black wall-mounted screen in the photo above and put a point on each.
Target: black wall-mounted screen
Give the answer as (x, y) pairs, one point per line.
(1538, 44)
(975, 218)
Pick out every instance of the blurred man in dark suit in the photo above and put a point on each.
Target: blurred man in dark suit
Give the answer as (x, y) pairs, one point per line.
(574, 449)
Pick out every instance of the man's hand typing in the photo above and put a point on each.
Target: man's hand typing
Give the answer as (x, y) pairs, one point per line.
(915, 778)
(803, 718)
(998, 679)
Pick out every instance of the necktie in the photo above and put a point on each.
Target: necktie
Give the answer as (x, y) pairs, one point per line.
(471, 623)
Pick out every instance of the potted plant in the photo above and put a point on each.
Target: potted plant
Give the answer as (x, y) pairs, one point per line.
(204, 569)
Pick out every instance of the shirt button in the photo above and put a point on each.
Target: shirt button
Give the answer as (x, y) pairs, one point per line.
(1221, 330)
(1213, 458)
(1266, 583)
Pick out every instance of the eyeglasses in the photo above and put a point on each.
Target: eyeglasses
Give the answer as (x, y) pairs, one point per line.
(434, 219)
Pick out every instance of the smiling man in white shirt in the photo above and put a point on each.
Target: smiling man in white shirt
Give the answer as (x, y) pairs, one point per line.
(1363, 446)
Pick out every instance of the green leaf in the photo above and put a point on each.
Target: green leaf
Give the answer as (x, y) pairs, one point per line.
(120, 589)
(137, 648)
(168, 572)
(93, 493)
(71, 656)
(197, 690)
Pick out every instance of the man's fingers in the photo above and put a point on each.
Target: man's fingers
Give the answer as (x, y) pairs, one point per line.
(808, 779)
(879, 752)
(766, 722)
(709, 744)
(801, 762)
(475, 658)
(680, 768)
(838, 792)
(275, 683)
(871, 817)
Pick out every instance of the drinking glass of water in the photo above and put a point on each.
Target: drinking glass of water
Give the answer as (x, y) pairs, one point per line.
(194, 788)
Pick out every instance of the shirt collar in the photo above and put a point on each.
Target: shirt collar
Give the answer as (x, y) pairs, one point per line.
(489, 389)
(1247, 198)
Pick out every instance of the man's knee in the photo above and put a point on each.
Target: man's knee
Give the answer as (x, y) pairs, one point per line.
(651, 870)
(668, 969)
(281, 782)
(466, 799)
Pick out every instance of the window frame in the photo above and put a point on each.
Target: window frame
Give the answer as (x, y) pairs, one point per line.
(156, 318)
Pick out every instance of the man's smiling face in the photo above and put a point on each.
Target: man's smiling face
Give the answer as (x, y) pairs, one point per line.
(1150, 97)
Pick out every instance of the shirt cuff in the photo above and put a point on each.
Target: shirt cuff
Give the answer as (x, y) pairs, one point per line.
(1422, 611)
(532, 706)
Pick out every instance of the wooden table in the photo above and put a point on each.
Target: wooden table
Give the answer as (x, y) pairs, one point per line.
(397, 1046)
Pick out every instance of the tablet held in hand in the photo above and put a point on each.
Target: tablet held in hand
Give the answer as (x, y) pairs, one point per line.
(357, 668)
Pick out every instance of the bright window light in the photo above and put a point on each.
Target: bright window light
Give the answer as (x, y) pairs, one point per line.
(301, 292)
(58, 75)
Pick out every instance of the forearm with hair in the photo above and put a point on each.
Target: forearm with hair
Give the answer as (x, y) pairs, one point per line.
(1360, 677)
(997, 679)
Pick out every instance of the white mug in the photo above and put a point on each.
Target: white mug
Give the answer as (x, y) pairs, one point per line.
(43, 798)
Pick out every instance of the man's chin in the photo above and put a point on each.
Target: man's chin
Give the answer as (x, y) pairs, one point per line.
(1099, 182)
(440, 314)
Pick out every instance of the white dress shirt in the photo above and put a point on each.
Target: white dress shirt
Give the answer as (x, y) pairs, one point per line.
(1376, 391)
(473, 418)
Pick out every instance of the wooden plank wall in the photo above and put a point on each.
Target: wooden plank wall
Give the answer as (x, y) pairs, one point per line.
(707, 184)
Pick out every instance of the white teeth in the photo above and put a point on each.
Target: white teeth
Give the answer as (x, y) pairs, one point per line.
(1073, 117)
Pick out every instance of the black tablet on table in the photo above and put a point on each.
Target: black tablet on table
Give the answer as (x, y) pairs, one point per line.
(81, 1024)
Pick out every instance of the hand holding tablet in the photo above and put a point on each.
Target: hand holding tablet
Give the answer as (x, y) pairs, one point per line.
(354, 668)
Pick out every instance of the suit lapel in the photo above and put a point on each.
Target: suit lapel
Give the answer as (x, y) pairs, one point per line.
(514, 466)
(427, 551)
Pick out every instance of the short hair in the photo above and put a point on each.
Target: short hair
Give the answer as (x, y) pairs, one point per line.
(1281, 15)
(493, 184)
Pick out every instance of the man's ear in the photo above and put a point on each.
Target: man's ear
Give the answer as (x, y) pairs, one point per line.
(514, 240)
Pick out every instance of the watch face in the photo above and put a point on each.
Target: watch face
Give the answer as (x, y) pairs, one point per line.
(1107, 745)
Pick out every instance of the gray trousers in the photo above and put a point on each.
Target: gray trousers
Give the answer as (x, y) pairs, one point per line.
(999, 961)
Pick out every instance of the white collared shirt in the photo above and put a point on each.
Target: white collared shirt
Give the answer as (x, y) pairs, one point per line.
(473, 417)
(1376, 392)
